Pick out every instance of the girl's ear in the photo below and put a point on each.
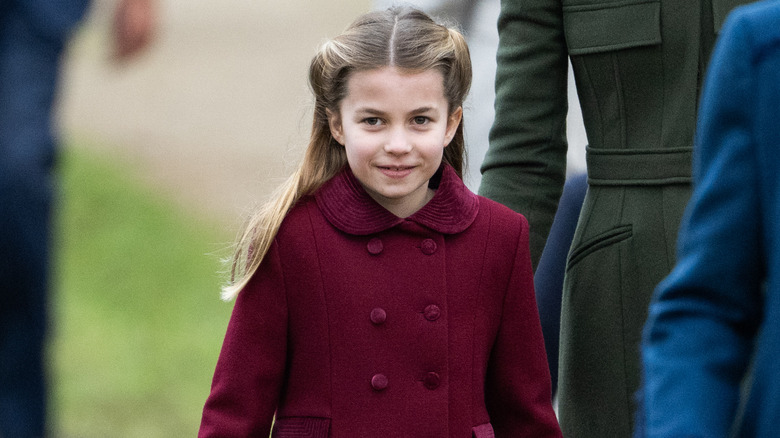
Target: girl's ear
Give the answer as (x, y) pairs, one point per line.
(336, 129)
(453, 121)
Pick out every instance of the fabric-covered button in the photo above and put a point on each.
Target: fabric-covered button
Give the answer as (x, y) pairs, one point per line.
(428, 246)
(379, 382)
(431, 380)
(432, 312)
(375, 246)
(378, 316)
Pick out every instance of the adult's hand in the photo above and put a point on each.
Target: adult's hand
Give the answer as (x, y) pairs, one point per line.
(135, 23)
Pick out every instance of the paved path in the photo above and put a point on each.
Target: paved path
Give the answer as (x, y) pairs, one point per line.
(218, 110)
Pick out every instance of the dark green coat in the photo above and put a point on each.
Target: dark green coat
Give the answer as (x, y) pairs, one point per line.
(638, 67)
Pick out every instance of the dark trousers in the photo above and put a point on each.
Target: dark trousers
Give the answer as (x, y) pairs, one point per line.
(548, 279)
(29, 66)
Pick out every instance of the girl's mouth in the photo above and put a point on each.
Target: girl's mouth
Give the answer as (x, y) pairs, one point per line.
(395, 171)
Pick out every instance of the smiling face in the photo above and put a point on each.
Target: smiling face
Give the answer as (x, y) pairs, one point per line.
(394, 127)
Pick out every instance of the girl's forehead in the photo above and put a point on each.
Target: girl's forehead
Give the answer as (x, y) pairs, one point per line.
(396, 75)
(394, 84)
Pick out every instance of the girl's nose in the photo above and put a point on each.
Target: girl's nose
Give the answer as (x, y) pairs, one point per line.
(398, 143)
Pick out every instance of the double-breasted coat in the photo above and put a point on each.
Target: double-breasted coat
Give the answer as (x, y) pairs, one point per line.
(638, 67)
(359, 323)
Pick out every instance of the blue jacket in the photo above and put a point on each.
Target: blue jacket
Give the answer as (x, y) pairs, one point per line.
(52, 18)
(715, 320)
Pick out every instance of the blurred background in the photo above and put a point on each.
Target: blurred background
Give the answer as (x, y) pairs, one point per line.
(163, 157)
(215, 105)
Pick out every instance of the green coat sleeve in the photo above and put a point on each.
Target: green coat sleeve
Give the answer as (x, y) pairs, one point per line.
(525, 165)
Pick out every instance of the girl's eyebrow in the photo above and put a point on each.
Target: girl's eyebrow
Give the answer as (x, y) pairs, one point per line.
(423, 109)
(371, 111)
(376, 112)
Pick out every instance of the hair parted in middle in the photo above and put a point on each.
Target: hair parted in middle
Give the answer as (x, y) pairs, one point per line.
(400, 37)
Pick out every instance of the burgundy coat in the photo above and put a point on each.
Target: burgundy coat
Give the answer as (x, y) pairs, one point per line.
(362, 324)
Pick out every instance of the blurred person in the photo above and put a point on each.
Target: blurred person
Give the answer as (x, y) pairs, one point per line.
(379, 296)
(33, 35)
(711, 345)
(638, 68)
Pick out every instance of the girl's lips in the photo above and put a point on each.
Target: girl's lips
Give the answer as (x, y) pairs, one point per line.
(395, 171)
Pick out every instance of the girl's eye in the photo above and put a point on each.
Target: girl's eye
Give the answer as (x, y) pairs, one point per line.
(371, 121)
(420, 120)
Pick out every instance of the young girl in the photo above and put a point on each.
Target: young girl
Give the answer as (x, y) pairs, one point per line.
(379, 296)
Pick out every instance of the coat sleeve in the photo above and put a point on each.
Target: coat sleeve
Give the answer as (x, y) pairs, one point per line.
(518, 390)
(702, 322)
(250, 369)
(525, 165)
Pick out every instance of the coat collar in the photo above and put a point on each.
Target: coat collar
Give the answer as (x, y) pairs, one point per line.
(347, 206)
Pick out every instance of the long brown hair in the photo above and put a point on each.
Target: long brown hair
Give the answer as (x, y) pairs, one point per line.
(400, 37)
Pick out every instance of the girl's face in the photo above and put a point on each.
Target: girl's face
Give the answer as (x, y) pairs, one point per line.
(394, 126)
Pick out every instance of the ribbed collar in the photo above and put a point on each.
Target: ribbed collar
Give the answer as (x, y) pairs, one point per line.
(347, 206)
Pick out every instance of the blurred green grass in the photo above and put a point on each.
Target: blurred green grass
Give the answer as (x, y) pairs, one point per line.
(137, 321)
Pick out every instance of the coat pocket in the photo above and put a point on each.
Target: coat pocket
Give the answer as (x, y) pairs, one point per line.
(301, 427)
(483, 431)
(604, 27)
(603, 240)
